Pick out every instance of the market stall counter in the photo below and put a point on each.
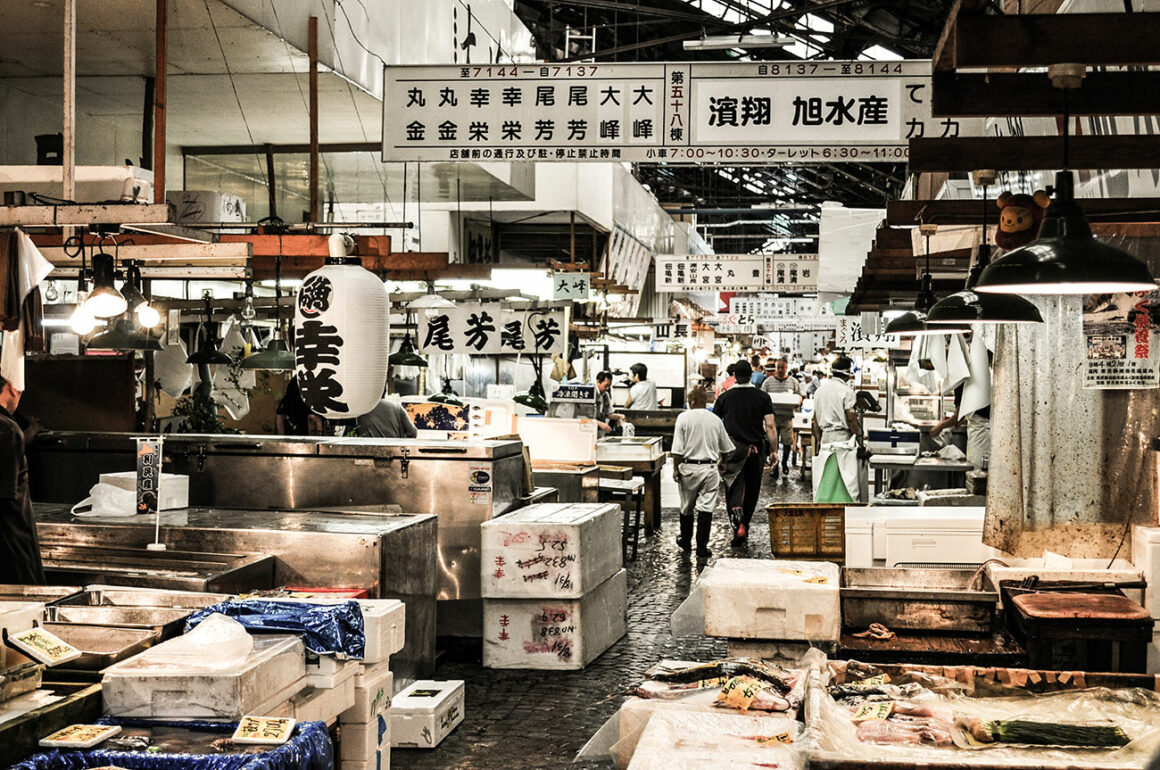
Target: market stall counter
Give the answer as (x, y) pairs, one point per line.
(646, 458)
(392, 556)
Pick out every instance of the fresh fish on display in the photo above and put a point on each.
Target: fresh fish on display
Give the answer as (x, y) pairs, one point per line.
(757, 669)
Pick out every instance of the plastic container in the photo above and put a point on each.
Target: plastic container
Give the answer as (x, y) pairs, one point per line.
(563, 634)
(550, 550)
(804, 530)
(425, 713)
(772, 599)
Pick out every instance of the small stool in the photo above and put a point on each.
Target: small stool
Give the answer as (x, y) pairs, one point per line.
(625, 492)
(1102, 623)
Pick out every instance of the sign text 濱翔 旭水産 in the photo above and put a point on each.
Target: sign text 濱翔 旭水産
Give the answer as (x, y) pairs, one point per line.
(767, 112)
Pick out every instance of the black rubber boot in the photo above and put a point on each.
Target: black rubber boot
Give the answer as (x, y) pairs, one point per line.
(685, 539)
(704, 523)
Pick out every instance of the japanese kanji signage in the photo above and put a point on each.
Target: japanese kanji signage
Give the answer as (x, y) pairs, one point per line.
(483, 329)
(759, 112)
(734, 323)
(849, 335)
(1119, 335)
(571, 286)
(737, 272)
(148, 474)
(674, 329)
(579, 394)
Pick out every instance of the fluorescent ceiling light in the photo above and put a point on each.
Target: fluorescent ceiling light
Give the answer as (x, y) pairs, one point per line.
(725, 42)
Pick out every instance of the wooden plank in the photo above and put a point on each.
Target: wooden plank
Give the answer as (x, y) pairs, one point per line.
(1024, 95)
(944, 50)
(84, 214)
(1039, 40)
(451, 272)
(304, 245)
(299, 265)
(970, 212)
(191, 253)
(1028, 153)
(171, 272)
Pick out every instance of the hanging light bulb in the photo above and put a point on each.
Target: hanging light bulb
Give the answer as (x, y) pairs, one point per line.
(82, 321)
(105, 301)
(276, 356)
(147, 315)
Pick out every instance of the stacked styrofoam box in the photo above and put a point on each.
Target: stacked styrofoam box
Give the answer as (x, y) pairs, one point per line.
(1146, 558)
(424, 713)
(163, 683)
(772, 599)
(555, 596)
(889, 535)
(14, 618)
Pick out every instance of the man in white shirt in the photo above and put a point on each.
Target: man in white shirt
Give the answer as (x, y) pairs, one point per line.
(699, 445)
(838, 435)
(779, 382)
(643, 393)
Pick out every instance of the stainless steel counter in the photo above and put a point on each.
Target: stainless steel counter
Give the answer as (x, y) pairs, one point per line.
(464, 483)
(392, 555)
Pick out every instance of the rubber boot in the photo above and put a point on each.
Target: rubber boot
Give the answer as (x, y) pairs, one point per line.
(685, 539)
(785, 452)
(704, 523)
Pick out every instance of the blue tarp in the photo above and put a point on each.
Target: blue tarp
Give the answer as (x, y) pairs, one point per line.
(308, 749)
(326, 629)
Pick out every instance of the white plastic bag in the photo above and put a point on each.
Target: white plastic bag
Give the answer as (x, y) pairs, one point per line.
(217, 642)
(107, 500)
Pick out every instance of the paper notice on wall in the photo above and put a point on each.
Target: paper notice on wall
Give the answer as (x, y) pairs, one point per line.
(1119, 335)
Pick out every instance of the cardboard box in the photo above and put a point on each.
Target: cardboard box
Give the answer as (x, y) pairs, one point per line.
(425, 713)
(772, 599)
(550, 550)
(564, 634)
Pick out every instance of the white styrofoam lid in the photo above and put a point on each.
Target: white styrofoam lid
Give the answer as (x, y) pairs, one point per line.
(406, 699)
(771, 572)
(554, 439)
(553, 513)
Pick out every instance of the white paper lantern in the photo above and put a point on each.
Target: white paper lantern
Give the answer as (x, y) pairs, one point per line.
(341, 329)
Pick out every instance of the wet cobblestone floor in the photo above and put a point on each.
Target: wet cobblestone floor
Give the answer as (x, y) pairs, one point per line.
(528, 720)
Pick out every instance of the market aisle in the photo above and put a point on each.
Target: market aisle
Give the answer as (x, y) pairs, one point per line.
(528, 720)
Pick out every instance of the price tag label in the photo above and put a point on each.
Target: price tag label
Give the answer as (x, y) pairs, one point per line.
(871, 711)
(265, 730)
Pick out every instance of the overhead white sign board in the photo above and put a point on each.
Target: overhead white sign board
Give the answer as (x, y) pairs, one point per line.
(708, 112)
(737, 272)
(849, 335)
(483, 329)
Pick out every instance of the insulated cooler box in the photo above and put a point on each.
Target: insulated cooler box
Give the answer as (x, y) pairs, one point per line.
(384, 624)
(772, 599)
(14, 618)
(890, 536)
(159, 685)
(551, 550)
(424, 713)
(565, 634)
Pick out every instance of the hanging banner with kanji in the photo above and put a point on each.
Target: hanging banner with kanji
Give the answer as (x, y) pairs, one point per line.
(1119, 334)
(571, 286)
(491, 329)
(737, 272)
(705, 112)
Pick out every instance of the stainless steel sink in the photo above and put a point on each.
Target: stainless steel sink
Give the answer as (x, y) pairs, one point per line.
(918, 600)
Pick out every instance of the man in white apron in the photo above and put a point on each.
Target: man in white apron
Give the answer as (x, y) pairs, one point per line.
(839, 474)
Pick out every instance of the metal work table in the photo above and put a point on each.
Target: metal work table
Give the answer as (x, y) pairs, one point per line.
(392, 555)
(922, 464)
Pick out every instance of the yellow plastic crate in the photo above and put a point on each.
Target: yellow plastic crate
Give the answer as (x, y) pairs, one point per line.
(807, 530)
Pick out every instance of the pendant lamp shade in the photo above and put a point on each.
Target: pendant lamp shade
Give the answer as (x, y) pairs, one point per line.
(534, 398)
(972, 308)
(1065, 258)
(104, 300)
(124, 335)
(447, 395)
(275, 356)
(341, 327)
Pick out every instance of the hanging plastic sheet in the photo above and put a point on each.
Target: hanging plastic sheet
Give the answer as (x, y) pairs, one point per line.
(326, 629)
(160, 745)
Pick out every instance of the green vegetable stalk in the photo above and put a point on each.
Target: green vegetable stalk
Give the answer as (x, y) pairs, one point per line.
(1048, 733)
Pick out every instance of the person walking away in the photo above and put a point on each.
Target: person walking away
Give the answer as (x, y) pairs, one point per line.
(839, 475)
(726, 383)
(389, 419)
(748, 417)
(19, 547)
(643, 393)
(700, 445)
(780, 382)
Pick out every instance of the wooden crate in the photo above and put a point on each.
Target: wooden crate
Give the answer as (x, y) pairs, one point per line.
(807, 530)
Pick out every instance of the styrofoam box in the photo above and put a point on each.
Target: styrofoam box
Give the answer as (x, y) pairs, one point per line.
(550, 550)
(325, 671)
(626, 449)
(558, 440)
(1146, 558)
(772, 599)
(682, 740)
(425, 712)
(196, 206)
(324, 705)
(372, 699)
(635, 713)
(889, 535)
(360, 742)
(565, 634)
(158, 684)
(370, 672)
(174, 487)
(384, 623)
(14, 618)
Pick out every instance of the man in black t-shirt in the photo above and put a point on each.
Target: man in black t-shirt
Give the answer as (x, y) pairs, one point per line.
(748, 416)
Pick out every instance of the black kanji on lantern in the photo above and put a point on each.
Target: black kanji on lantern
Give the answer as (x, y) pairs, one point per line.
(321, 391)
(439, 333)
(314, 297)
(479, 326)
(318, 344)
